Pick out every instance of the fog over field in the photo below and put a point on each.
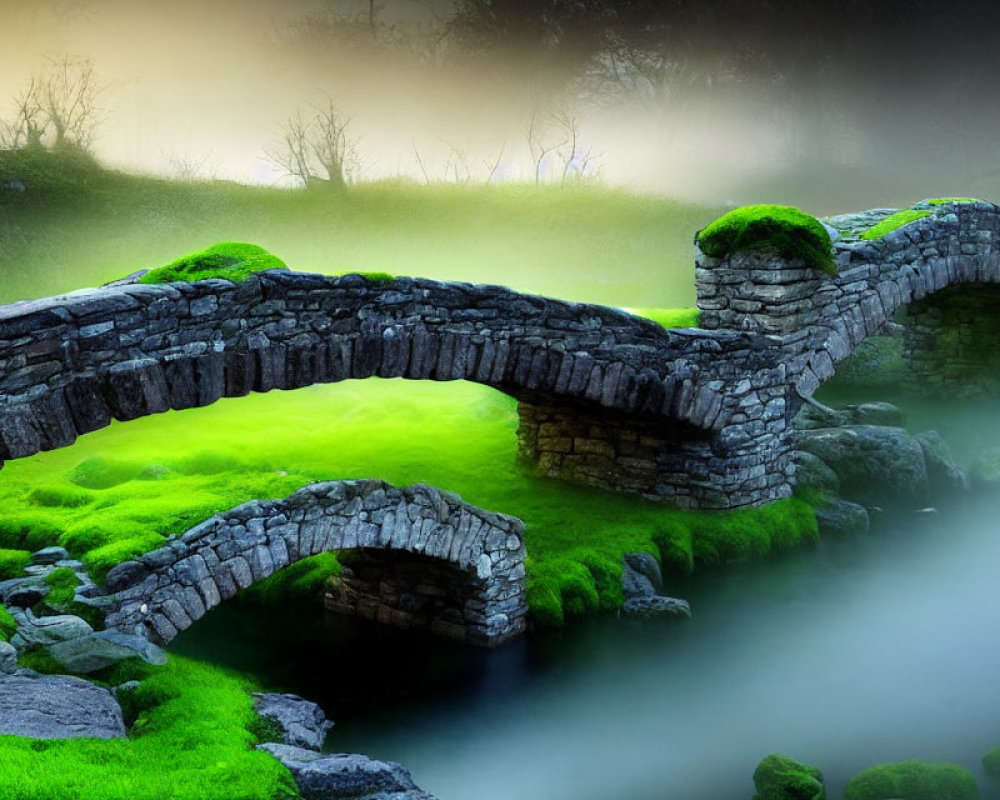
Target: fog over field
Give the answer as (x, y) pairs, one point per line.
(826, 106)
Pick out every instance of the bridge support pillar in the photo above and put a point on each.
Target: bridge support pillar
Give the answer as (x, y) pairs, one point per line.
(746, 463)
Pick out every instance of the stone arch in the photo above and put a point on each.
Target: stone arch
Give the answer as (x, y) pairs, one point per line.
(164, 591)
(71, 364)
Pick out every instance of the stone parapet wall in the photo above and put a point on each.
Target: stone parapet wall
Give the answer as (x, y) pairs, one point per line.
(163, 592)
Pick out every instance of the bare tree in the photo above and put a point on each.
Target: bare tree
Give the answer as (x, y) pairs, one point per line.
(541, 143)
(27, 126)
(57, 108)
(577, 161)
(316, 149)
(69, 95)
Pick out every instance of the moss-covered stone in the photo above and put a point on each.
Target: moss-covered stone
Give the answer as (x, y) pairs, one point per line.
(234, 261)
(8, 626)
(913, 780)
(893, 222)
(948, 201)
(13, 562)
(779, 777)
(991, 762)
(789, 232)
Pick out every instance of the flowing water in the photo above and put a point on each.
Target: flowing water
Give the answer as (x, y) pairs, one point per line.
(855, 652)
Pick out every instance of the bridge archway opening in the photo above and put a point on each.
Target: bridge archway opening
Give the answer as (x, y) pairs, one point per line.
(951, 342)
(409, 591)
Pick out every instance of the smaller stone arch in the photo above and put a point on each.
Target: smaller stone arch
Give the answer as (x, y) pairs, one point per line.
(471, 586)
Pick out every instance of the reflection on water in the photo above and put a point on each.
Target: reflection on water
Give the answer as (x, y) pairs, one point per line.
(856, 652)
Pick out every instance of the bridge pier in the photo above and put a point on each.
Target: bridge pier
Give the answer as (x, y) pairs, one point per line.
(745, 463)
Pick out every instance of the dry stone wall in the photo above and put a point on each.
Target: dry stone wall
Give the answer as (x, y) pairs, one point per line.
(477, 555)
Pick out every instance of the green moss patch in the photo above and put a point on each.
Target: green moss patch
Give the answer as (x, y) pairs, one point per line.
(192, 738)
(991, 762)
(669, 317)
(234, 261)
(789, 232)
(947, 201)
(13, 562)
(913, 780)
(894, 221)
(779, 777)
(8, 627)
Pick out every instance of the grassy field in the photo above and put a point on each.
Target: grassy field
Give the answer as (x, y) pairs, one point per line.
(85, 226)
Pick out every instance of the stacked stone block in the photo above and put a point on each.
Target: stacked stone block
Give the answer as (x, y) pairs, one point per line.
(478, 555)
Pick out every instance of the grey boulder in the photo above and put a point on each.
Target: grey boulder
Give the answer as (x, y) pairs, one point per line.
(839, 517)
(35, 631)
(57, 707)
(342, 775)
(943, 475)
(49, 555)
(875, 464)
(104, 649)
(302, 722)
(656, 607)
(8, 658)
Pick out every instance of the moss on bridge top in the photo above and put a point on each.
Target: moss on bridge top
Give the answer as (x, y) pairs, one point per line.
(234, 261)
(789, 231)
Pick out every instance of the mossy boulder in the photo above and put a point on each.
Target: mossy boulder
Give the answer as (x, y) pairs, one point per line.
(875, 464)
(234, 261)
(991, 762)
(913, 780)
(784, 230)
(779, 777)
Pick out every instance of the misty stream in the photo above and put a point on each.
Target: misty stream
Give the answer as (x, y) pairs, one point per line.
(852, 653)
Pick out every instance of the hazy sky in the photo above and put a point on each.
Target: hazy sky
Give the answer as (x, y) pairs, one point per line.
(895, 101)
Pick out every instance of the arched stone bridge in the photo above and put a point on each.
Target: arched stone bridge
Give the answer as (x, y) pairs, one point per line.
(427, 560)
(699, 417)
(71, 364)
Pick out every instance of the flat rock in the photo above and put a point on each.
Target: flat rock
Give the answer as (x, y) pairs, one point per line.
(656, 607)
(49, 555)
(104, 649)
(57, 707)
(35, 631)
(302, 722)
(343, 775)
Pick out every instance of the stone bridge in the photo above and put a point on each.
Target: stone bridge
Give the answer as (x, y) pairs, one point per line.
(71, 364)
(425, 559)
(697, 417)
